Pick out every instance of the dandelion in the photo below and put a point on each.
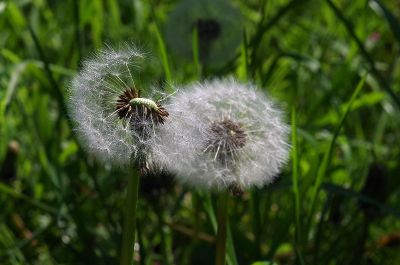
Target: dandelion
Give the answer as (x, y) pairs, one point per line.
(218, 24)
(113, 120)
(223, 135)
(115, 123)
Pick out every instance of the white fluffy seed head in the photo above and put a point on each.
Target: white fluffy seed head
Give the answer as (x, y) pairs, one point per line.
(93, 97)
(201, 154)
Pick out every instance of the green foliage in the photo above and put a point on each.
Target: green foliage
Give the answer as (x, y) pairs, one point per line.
(59, 206)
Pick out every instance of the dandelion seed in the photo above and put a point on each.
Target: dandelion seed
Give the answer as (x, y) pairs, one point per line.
(223, 135)
(113, 120)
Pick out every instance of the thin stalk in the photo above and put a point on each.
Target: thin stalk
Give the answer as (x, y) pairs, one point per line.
(195, 48)
(128, 236)
(256, 216)
(265, 25)
(141, 243)
(163, 52)
(77, 19)
(323, 167)
(195, 232)
(222, 217)
(165, 239)
(20, 196)
(296, 192)
(245, 57)
(295, 180)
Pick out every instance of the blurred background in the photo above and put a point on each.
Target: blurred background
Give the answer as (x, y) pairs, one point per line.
(336, 202)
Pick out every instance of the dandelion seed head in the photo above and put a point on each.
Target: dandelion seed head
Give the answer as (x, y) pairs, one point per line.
(218, 35)
(113, 121)
(223, 135)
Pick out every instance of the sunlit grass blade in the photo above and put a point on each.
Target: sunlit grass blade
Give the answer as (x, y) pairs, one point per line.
(195, 50)
(295, 185)
(163, 51)
(243, 69)
(327, 155)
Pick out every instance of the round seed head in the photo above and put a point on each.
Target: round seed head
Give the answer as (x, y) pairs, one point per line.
(113, 121)
(218, 35)
(223, 135)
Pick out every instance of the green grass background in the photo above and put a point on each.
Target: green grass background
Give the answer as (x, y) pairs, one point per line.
(333, 65)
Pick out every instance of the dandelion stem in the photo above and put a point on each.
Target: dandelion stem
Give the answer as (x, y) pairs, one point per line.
(128, 236)
(222, 217)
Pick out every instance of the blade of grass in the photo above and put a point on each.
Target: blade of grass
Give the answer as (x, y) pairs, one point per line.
(222, 218)
(350, 29)
(41, 151)
(97, 22)
(163, 52)
(265, 27)
(330, 187)
(11, 192)
(58, 94)
(327, 156)
(295, 186)
(255, 198)
(35, 234)
(15, 77)
(52, 81)
(195, 49)
(5, 102)
(318, 233)
(394, 24)
(231, 258)
(256, 219)
(262, 29)
(77, 19)
(244, 69)
(166, 240)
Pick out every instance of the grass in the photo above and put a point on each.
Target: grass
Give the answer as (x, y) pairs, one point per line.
(60, 206)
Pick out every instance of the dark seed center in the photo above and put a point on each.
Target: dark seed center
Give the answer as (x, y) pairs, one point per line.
(226, 137)
(138, 115)
(208, 29)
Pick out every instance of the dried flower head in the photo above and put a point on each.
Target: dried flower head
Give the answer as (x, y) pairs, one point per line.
(218, 25)
(113, 121)
(223, 135)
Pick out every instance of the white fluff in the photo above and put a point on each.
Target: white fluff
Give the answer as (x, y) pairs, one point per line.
(92, 101)
(181, 141)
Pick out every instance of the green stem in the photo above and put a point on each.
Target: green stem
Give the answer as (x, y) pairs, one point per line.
(255, 208)
(128, 236)
(222, 217)
(195, 48)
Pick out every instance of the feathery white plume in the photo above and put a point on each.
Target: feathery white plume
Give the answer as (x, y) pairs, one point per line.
(112, 120)
(223, 134)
